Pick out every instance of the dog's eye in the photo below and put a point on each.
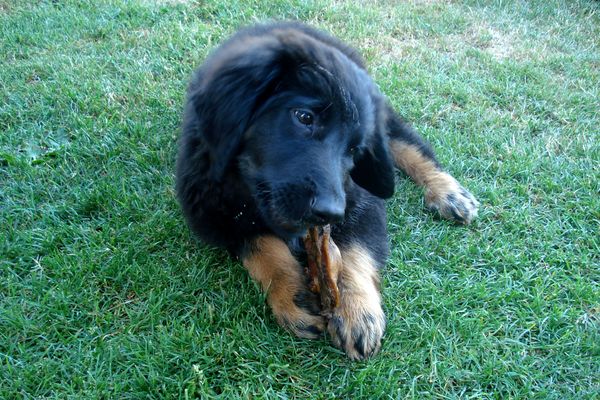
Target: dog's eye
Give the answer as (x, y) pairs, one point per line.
(353, 150)
(304, 117)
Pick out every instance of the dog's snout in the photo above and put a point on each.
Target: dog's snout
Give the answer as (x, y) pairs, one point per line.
(327, 210)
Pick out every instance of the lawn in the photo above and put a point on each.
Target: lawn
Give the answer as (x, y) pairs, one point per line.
(105, 294)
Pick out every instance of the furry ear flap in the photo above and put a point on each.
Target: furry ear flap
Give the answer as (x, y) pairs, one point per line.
(227, 91)
(374, 169)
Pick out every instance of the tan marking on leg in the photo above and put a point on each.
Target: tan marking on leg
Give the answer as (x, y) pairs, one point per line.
(279, 274)
(443, 193)
(409, 159)
(358, 323)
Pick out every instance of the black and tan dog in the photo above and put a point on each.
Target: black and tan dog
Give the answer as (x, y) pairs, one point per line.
(284, 129)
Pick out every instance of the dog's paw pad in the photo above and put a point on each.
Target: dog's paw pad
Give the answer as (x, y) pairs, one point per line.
(452, 201)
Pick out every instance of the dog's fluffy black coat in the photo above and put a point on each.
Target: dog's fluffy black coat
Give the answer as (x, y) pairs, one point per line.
(283, 129)
(247, 168)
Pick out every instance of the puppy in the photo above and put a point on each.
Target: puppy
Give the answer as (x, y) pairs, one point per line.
(284, 129)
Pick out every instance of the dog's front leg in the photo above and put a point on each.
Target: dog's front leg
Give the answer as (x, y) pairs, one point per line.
(415, 157)
(270, 263)
(358, 323)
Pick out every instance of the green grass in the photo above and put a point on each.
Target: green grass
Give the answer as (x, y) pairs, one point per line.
(104, 293)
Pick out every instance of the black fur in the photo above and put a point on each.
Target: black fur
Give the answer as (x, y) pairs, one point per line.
(248, 165)
(283, 130)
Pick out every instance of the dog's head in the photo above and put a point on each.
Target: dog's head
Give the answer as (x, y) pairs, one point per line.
(299, 120)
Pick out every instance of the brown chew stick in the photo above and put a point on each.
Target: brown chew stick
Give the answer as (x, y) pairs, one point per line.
(324, 264)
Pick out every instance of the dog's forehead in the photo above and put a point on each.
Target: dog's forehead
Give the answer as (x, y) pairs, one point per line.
(351, 87)
(359, 89)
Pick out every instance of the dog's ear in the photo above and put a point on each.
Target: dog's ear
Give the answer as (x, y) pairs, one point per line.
(374, 169)
(227, 91)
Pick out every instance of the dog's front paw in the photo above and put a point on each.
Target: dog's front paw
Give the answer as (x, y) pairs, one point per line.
(357, 324)
(271, 264)
(297, 311)
(356, 330)
(452, 201)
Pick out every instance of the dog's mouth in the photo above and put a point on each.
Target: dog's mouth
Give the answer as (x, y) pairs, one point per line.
(284, 209)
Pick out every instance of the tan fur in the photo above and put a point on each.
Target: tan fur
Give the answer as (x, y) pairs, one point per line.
(358, 323)
(442, 192)
(280, 275)
(408, 158)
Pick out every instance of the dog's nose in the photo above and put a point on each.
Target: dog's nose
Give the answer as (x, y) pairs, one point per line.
(327, 210)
